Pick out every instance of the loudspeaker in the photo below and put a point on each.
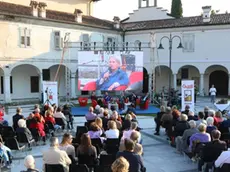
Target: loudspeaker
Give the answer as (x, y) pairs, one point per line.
(145, 83)
(46, 74)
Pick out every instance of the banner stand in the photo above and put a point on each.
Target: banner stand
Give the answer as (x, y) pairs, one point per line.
(187, 94)
(50, 94)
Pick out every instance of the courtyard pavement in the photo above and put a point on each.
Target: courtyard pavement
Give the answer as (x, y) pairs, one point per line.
(159, 156)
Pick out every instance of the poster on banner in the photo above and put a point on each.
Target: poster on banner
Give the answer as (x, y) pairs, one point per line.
(50, 93)
(187, 94)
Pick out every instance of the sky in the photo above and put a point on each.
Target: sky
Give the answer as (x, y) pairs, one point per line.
(107, 9)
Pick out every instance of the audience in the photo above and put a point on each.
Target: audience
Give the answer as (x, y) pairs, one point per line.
(210, 126)
(66, 145)
(120, 165)
(56, 156)
(68, 116)
(23, 129)
(114, 117)
(181, 125)
(113, 132)
(182, 143)
(94, 131)
(224, 158)
(127, 134)
(157, 120)
(90, 116)
(5, 153)
(16, 118)
(201, 119)
(29, 163)
(135, 161)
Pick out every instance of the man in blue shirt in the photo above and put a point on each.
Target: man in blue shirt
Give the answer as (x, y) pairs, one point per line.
(113, 77)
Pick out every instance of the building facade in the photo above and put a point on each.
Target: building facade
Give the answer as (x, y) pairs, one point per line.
(32, 37)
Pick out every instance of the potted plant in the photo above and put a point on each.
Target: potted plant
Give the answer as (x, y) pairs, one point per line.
(222, 101)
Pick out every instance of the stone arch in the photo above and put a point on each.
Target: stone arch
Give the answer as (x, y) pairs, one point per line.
(217, 75)
(25, 82)
(162, 74)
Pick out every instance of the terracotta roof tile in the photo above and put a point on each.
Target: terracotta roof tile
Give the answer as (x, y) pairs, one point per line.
(55, 15)
(217, 19)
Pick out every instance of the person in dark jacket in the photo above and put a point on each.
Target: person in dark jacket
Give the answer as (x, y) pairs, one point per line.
(23, 129)
(157, 120)
(69, 117)
(187, 109)
(181, 125)
(16, 118)
(212, 150)
(135, 161)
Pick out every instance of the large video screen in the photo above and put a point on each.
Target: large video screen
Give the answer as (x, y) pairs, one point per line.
(101, 70)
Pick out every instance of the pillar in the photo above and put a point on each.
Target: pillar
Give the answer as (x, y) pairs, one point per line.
(73, 85)
(7, 94)
(201, 86)
(175, 81)
(139, 3)
(147, 3)
(228, 84)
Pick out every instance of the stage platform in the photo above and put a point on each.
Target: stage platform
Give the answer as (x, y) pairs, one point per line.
(81, 111)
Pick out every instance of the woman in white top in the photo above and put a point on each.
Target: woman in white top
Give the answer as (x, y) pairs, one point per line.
(113, 132)
(59, 114)
(66, 145)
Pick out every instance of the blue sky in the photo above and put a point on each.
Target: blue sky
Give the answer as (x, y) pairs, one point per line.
(106, 9)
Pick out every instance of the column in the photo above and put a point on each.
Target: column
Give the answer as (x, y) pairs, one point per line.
(201, 86)
(73, 85)
(228, 84)
(175, 81)
(41, 86)
(139, 3)
(7, 94)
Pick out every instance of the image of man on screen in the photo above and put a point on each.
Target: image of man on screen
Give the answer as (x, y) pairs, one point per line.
(113, 77)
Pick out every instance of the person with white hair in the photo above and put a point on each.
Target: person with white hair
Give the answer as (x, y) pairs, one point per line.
(210, 126)
(182, 141)
(114, 117)
(113, 77)
(22, 128)
(127, 134)
(56, 156)
(101, 112)
(29, 163)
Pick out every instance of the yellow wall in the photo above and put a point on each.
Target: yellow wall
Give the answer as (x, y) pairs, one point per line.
(59, 5)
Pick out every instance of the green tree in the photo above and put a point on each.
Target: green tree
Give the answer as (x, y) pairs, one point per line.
(176, 8)
(213, 12)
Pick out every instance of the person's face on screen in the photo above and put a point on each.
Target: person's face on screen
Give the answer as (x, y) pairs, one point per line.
(113, 64)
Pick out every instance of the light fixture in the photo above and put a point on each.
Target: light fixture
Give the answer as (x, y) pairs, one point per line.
(180, 45)
(160, 47)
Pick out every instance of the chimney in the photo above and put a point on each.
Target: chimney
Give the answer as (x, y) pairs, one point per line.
(155, 3)
(206, 14)
(116, 22)
(78, 15)
(42, 9)
(34, 8)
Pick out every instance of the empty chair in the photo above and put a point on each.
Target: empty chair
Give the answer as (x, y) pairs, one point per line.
(97, 143)
(80, 130)
(12, 143)
(88, 160)
(106, 160)
(80, 168)
(54, 168)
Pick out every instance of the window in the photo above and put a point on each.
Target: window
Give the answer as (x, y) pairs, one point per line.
(86, 43)
(184, 73)
(34, 84)
(25, 36)
(137, 45)
(188, 43)
(2, 85)
(58, 40)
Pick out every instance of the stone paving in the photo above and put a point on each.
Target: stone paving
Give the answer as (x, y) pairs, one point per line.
(159, 156)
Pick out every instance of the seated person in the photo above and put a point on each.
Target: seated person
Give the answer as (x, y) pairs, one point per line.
(113, 132)
(107, 98)
(135, 160)
(90, 116)
(201, 137)
(113, 77)
(22, 128)
(120, 165)
(127, 122)
(128, 133)
(144, 99)
(37, 124)
(211, 151)
(94, 131)
(93, 96)
(181, 125)
(187, 109)
(5, 153)
(157, 120)
(29, 163)
(210, 125)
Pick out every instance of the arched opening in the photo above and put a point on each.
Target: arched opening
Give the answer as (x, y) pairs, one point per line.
(145, 81)
(219, 79)
(25, 82)
(162, 74)
(60, 78)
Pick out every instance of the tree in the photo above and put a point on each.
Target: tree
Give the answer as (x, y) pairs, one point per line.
(213, 12)
(176, 9)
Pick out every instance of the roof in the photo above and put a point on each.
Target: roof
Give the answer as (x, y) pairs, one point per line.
(217, 19)
(63, 17)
